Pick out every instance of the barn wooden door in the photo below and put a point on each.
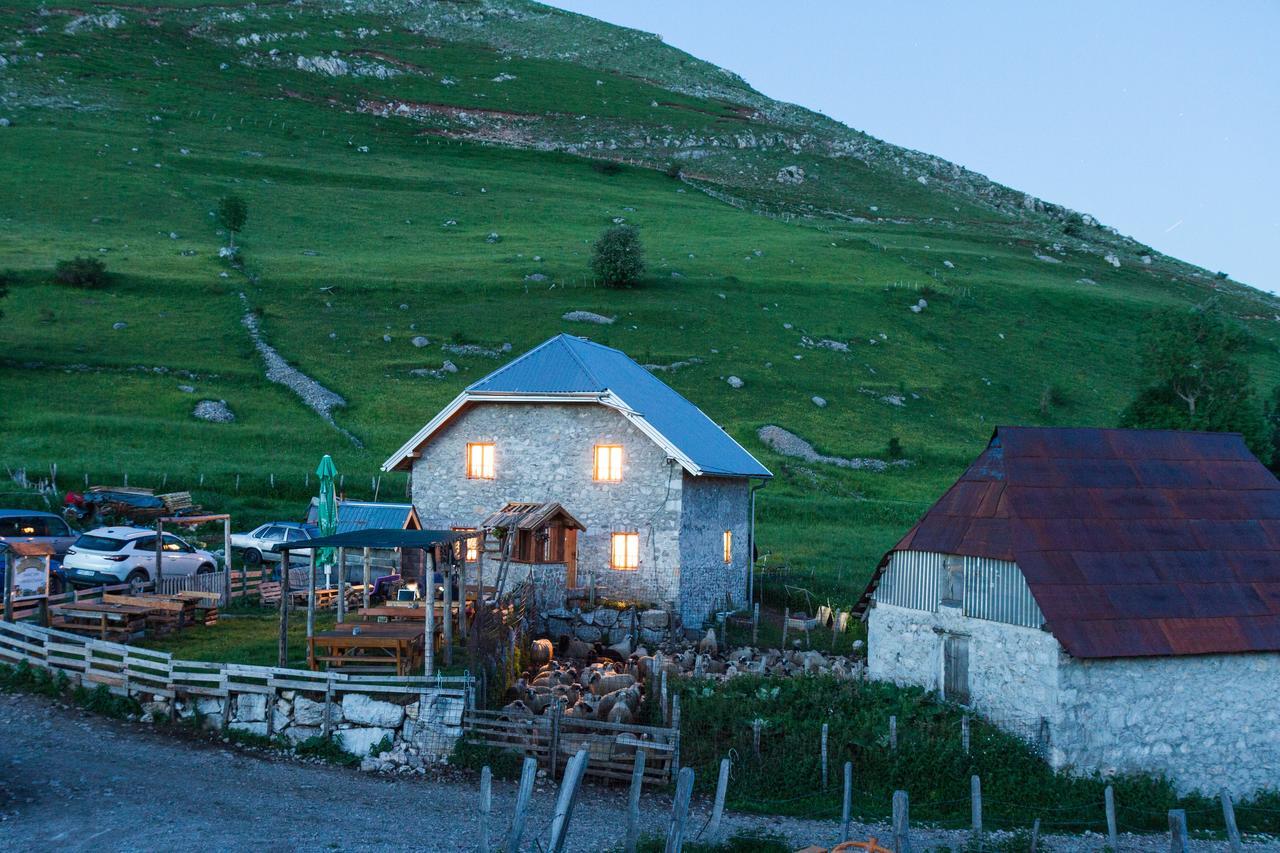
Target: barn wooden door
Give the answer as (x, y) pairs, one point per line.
(955, 668)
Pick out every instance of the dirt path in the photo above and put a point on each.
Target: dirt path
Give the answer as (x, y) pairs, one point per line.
(72, 781)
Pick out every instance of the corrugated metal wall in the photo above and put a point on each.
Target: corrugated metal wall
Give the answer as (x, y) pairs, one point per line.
(912, 580)
(996, 590)
(993, 589)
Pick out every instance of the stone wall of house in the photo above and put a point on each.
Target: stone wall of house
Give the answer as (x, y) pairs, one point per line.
(1013, 671)
(420, 728)
(1208, 722)
(712, 505)
(544, 452)
(606, 625)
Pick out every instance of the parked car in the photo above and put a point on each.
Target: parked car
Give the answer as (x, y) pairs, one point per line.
(257, 543)
(112, 555)
(32, 526)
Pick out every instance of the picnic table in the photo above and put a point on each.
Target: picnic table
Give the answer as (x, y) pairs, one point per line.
(368, 647)
(400, 613)
(119, 622)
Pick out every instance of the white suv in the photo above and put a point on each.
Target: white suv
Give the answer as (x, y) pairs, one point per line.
(112, 555)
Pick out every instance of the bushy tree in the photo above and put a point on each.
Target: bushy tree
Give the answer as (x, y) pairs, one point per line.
(232, 214)
(1198, 379)
(81, 272)
(618, 257)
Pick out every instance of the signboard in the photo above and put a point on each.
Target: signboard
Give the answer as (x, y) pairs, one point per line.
(29, 576)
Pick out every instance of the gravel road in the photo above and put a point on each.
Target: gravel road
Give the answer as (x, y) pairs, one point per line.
(73, 781)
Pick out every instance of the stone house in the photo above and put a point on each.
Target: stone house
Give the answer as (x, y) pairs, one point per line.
(653, 500)
(1112, 595)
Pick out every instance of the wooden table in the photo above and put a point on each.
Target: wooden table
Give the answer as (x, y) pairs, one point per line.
(120, 622)
(369, 647)
(392, 613)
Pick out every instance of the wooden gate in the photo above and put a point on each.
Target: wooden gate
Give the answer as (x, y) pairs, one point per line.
(955, 668)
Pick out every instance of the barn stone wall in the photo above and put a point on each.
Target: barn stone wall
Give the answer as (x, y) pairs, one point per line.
(1208, 722)
(544, 453)
(712, 505)
(1013, 671)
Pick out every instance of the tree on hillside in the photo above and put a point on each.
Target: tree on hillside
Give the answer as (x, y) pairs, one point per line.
(618, 257)
(1198, 379)
(232, 213)
(5, 279)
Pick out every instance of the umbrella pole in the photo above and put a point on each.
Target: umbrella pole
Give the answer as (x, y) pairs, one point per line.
(447, 574)
(342, 584)
(311, 598)
(429, 599)
(284, 609)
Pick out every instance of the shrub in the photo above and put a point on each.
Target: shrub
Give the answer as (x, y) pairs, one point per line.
(895, 448)
(232, 213)
(81, 272)
(674, 169)
(607, 167)
(618, 257)
(326, 749)
(503, 763)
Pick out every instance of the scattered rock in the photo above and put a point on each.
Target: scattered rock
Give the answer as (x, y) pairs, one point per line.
(923, 179)
(1048, 259)
(790, 444)
(791, 175)
(825, 343)
(734, 382)
(4, 122)
(187, 389)
(420, 341)
(673, 366)
(107, 21)
(1112, 259)
(439, 373)
(386, 339)
(588, 317)
(475, 349)
(919, 306)
(537, 276)
(1086, 281)
(820, 402)
(493, 237)
(214, 411)
(119, 324)
(949, 265)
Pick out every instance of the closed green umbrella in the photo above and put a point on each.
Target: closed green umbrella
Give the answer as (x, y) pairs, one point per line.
(327, 511)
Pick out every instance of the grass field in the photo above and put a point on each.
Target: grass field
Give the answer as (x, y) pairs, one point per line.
(124, 138)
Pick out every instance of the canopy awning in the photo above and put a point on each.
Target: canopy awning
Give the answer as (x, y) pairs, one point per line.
(383, 538)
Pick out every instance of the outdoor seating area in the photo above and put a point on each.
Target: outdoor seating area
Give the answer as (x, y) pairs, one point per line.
(122, 618)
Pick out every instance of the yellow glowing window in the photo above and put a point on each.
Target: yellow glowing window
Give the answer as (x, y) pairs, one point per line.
(472, 545)
(728, 546)
(608, 463)
(480, 461)
(625, 551)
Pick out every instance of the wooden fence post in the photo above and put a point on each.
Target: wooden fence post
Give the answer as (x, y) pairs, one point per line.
(901, 823)
(283, 654)
(633, 802)
(1109, 797)
(846, 811)
(1229, 820)
(755, 624)
(486, 806)
(1177, 831)
(675, 724)
(1035, 835)
(8, 586)
(964, 733)
(975, 811)
(786, 617)
(367, 566)
(341, 604)
(825, 729)
(527, 775)
(568, 799)
(679, 811)
(893, 732)
(326, 725)
(756, 725)
(662, 694)
(717, 810)
(554, 757)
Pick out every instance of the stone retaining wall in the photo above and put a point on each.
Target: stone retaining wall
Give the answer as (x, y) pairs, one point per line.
(609, 626)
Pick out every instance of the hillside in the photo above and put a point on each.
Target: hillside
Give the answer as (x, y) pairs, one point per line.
(436, 171)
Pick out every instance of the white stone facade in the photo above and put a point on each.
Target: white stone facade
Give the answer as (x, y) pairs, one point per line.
(1206, 722)
(544, 452)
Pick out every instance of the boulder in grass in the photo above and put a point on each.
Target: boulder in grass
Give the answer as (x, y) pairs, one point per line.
(213, 411)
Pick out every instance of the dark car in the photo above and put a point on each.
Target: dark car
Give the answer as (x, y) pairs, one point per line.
(27, 525)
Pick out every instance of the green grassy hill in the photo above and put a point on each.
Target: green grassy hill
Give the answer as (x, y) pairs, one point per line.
(380, 144)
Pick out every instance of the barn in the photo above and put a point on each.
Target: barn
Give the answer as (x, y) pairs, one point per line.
(1111, 595)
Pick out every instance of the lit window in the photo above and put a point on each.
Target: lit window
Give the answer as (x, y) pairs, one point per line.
(480, 461)
(728, 546)
(625, 551)
(608, 463)
(472, 545)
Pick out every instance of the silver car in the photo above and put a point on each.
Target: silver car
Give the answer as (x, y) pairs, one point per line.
(113, 555)
(257, 543)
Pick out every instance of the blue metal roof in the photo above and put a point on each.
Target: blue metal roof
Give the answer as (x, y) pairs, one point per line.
(366, 515)
(567, 365)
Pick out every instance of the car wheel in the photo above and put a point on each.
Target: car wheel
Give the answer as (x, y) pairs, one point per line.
(205, 569)
(252, 556)
(137, 576)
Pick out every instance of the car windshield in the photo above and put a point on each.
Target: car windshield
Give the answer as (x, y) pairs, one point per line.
(90, 542)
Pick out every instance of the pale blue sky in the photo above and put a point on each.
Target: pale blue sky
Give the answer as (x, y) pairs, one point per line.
(1159, 118)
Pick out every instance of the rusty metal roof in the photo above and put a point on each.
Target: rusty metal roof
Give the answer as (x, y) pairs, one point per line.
(1133, 542)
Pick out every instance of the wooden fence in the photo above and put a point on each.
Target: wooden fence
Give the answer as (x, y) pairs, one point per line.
(124, 669)
(553, 738)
